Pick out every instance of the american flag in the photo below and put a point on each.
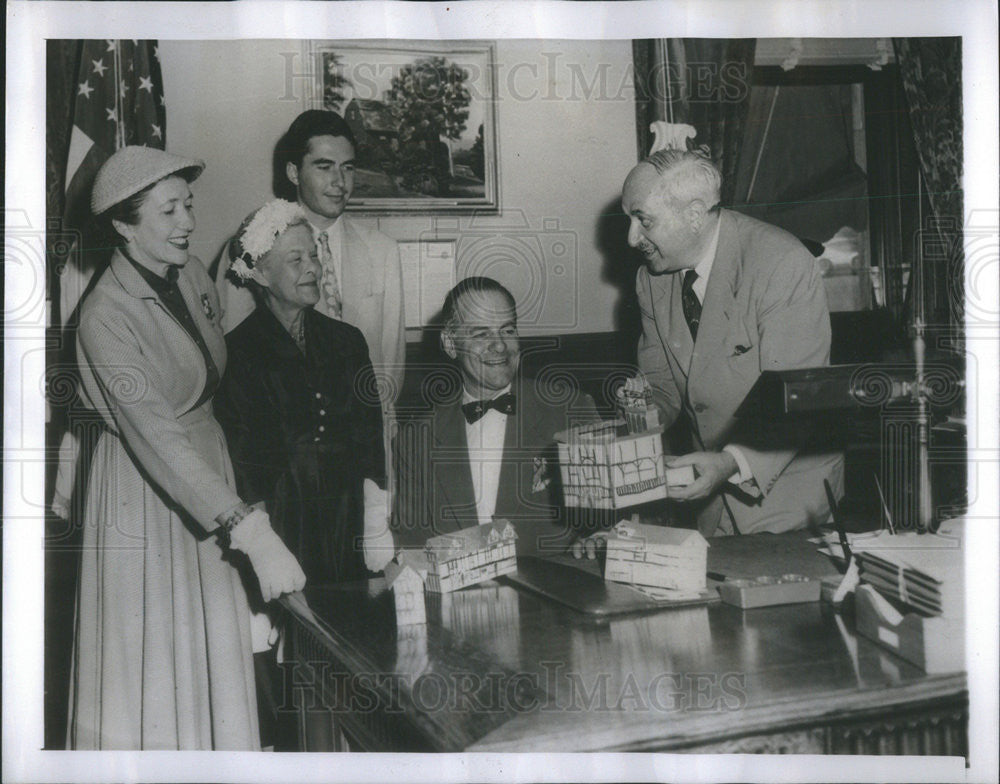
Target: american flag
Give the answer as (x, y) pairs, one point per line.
(118, 100)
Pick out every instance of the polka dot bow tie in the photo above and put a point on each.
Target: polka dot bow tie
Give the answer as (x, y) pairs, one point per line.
(476, 409)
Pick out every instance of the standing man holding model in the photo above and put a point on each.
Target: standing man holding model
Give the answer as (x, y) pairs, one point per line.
(724, 297)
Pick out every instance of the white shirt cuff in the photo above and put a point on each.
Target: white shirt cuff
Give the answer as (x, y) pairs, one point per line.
(743, 474)
(375, 495)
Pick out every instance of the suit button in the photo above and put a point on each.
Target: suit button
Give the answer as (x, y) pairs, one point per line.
(700, 407)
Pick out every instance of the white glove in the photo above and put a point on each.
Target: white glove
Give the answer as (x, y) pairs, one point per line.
(276, 568)
(60, 506)
(69, 453)
(379, 547)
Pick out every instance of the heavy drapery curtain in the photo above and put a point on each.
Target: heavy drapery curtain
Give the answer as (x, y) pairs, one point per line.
(704, 82)
(931, 73)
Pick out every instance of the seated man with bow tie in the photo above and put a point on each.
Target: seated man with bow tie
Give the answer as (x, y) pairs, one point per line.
(488, 451)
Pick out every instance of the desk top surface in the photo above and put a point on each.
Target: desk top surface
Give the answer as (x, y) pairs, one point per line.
(498, 668)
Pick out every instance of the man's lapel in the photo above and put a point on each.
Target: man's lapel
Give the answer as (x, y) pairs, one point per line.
(522, 434)
(717, 309)
(450, 460)
(665, 305)
(356, 270)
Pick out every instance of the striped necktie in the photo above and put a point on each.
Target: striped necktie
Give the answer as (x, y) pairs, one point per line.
(330, 284)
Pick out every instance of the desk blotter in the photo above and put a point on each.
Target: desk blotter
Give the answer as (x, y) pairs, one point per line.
(579, 585)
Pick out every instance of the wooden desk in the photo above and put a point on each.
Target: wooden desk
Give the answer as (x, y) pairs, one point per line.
(497, 668)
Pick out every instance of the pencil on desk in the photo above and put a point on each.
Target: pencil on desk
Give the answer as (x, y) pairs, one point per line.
(885, 507)
(838, 521)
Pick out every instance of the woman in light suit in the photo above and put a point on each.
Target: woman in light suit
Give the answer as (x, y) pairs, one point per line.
(162, 654)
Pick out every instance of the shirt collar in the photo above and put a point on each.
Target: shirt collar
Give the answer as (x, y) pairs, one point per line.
(333, 231)
(160, 285)
(273, 330)
(706, 262)
(467, 398)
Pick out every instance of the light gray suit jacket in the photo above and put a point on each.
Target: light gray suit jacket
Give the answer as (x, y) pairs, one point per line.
(142, 371)
(764, 309)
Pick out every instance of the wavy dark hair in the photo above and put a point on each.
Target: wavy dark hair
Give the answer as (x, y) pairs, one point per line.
(294, 144)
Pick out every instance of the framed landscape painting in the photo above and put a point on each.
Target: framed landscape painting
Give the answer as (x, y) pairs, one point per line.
(423, 115)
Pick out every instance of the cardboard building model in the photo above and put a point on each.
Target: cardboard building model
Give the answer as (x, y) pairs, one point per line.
(616, 464)
(408, 592)
(657, 556)
(470, 556)
(635, 400)
(603, 466)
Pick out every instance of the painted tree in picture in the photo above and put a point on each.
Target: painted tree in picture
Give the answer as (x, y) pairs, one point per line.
(334, 82)
(477, 155)
(471, 162)
(430, 100)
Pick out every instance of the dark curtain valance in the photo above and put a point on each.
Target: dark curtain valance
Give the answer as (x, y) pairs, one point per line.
(704, 82)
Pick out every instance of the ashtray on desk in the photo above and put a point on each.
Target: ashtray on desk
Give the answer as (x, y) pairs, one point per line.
(765, 591)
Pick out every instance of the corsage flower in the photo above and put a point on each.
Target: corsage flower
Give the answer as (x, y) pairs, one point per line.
(258, 232)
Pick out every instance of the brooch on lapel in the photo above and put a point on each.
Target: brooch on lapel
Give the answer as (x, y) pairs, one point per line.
(206, 305)
(540, 478)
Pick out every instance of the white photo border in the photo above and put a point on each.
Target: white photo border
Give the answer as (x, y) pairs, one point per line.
(29, 24)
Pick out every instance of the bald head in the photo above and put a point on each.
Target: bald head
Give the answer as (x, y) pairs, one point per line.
(670, 199)
(686, 176)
